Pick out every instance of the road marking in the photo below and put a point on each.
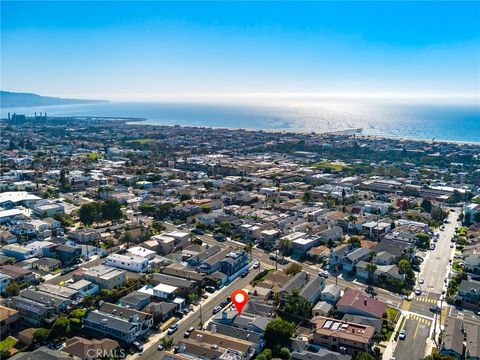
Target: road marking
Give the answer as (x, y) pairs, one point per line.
(406, 305)
(416, 330)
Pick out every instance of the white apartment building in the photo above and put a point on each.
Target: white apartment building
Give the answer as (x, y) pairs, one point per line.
(128, 262)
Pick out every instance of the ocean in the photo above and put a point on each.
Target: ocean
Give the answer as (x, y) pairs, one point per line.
(448, 122)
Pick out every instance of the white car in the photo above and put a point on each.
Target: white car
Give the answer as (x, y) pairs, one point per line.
(421, 281)
(402, 335)
(418, 291)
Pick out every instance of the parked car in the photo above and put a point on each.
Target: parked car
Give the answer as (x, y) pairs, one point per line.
(188, 332)
(172, 329)
(244, 274)
(160, 347)
(256, 265)
(435, 309)
(210, 289)
(324, 274)
(138, 345)
(216, 310)
(402, 335)
(418, 291)
(421, 281)
(198, 231)
(224, 303)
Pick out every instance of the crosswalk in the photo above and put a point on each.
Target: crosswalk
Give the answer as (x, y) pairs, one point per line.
(267, 266)
(420, 319)
(425, 299)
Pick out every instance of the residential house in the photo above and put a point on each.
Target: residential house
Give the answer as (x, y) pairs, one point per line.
(472, 263)
(337, 335)
(355, 303)
(331, 293)
(128, 262)
(105, 277)
(117, 322)
(8, 320)
(46, 264)
(453, 334)
(469, 292)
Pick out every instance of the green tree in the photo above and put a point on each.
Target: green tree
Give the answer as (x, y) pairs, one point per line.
(293, 269)
(307, 197)
(297, 305)
(370, 267)
(225, 228)
(185, 197)
(437, 356)
(364, 356)
(476, 216)
(284, 353)
(426, 205)
(278, 333)
(40, 336)
(111, 210)
(285, 245)
(423, 240)
(60, 328)
(249, 248)
(13, 289)
(88, 213)
(354, 241)
(403, 266)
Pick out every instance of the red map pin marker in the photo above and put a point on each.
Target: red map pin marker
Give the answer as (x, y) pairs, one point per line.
(239, 299)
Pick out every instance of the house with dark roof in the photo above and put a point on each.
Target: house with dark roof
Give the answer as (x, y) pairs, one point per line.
(469, 292)
(313, 289)
(135, 300)
(296, 282)
(117, 322)
(184, 286)
(452, 342)
(32, 312)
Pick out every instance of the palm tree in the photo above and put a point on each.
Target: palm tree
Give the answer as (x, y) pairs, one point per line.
(248, 248)
(351, 219)
(371, 270)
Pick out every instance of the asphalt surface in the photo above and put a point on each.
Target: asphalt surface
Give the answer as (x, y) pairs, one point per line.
(413, 347)
(435, 267)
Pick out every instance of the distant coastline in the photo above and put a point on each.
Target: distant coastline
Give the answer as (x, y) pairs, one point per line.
(441, 122)
(15, 99)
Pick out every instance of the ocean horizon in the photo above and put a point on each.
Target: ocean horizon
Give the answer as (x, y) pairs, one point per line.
(409, 120)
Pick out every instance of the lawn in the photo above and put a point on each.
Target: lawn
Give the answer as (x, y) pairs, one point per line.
(141, 141)
(328, 165)
(456, 266)
(392, 314)
(8, 343)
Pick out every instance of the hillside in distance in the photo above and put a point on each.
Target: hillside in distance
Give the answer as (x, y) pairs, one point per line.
(15, 99)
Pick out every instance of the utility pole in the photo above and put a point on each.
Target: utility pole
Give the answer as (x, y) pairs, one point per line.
(201, 316)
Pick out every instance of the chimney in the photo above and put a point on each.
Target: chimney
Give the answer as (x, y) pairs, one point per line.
(365, 302)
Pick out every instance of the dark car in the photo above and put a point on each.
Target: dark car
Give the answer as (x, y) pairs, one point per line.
(244, 274)
(435, 309)
(198, 231)
(219, 237)
(224, 303)
(210, 289)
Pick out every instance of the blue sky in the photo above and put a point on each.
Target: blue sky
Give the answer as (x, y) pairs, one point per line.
(145, 50)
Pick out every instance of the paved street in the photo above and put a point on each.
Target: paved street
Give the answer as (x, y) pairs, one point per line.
(435, 267)
(413, 347)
